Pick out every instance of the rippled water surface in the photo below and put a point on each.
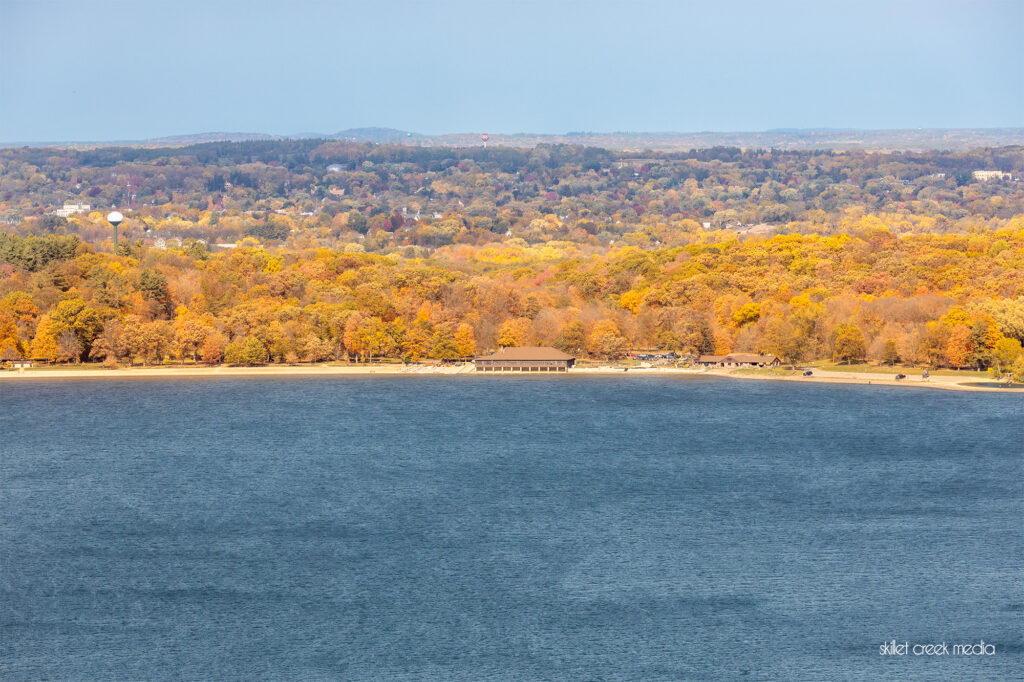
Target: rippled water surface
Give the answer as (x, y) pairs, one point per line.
(477, 528)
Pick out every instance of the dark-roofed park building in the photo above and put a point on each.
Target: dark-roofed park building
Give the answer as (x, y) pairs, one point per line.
(525, 359)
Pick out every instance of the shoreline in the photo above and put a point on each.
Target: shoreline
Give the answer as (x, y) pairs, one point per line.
(947, 383)
(190, 371)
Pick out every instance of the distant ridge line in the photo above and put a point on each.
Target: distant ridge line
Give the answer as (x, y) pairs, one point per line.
(920, 139)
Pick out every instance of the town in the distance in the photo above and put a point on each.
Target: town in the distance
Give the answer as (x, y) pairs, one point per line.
(406, 256)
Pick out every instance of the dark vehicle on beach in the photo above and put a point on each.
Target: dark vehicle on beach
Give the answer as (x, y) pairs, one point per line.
(808, 373)
(900, 376)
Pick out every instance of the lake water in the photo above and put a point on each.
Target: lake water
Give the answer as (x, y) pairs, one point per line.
(474, 528)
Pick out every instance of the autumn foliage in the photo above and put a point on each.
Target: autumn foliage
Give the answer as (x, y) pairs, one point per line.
(934, 300)
(317, 251)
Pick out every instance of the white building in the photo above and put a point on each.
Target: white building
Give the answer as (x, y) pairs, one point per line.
(984, 175)
(71, 209)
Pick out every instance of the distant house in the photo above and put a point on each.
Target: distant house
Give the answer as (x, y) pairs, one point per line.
(525, 359)
(985, 175)
(71, 209)
(739, 360)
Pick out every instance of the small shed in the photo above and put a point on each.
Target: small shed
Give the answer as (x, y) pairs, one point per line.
(22, 364)
(525, 359)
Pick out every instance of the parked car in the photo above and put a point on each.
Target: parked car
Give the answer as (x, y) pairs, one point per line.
(808, 373)
(901, 376)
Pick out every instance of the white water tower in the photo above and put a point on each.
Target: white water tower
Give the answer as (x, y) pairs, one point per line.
(115, 219)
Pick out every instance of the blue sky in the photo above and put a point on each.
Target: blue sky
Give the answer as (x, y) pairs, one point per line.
(102, 70)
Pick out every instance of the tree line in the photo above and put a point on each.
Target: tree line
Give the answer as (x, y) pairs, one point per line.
(921, 299)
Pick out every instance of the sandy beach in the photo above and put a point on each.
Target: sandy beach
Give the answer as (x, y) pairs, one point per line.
(952, 383)
(945, 382)
(222, 371)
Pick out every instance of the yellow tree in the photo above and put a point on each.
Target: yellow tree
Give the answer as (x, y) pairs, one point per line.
(369, 338)
(75, 316)
(606, 342)
(212, 349)
(44, 345)
(465, 340)
(350, 336)
(959, 348)
(748, 313)
(20, 305)
(189, 334)
(1018, 370)
(1004, 354)
(848, 344)
(631, 300)
(154, 340)
(723, 342)
(442, 344)
(9, 349)
(9, 342)
(514, 332)
(315, 349)
(572, 338)
(414, 343)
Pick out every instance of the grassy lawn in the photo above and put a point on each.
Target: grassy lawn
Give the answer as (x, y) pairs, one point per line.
(897, 369)
(93, 366)
(770, 371)
(863, 368)
(63, 368)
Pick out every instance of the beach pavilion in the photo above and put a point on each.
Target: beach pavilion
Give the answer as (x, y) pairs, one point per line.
(525, 359)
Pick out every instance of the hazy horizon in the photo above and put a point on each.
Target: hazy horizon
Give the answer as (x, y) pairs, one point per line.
(523, 133)
(114, 70)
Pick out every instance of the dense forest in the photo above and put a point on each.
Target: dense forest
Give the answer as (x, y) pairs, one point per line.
(935, 300)
(335, 251)
(378, 199)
